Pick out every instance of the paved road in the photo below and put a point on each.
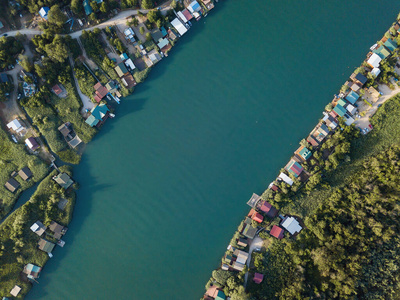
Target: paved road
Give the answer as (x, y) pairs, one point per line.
(256, 244)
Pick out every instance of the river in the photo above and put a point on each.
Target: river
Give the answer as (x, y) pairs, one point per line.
(165, 183)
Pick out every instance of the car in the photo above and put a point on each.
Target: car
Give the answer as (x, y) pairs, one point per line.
(5, 34)
(379, 105)
(381, 93)
(370, 126)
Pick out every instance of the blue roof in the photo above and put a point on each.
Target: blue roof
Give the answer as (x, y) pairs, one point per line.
(163, 31)
(305, 153)
(352, 97)
(124, 56)
(195, 6)
(87, 7)
(43, 12)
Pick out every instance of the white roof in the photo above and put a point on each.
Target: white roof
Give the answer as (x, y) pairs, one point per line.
(15, 125)
(333, 125)
(286, 178)
(34, 227)
(180, 14)
(15, 291)
(349, 121)
(28, 142)
(291, 225)
(351, 109)
(375, 72)
(129, 63)
(128, 31)
(162, 43)
(179, 26)
(242, 257)
(374, 60)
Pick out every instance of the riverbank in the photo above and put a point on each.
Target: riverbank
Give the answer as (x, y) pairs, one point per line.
(322, 163)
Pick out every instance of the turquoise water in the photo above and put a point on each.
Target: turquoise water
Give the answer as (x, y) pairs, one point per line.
(165, 183)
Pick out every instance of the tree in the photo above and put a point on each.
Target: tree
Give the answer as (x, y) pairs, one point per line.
(56, 16)
(58, 51)
(154, 15)
(148, 36)
(141, 30)
(76, 6)
(104, 7)
(25, 63)
(147, 4)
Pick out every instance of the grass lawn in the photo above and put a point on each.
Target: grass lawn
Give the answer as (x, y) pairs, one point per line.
(19, 243)
(13, 157)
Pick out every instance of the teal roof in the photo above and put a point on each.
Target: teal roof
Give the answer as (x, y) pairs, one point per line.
(390, 45)
(91, 121)
(339, 110)
(163, 31)
(341, 102)
(124, 56)
(352, 97)
(305, 153)
(220, 296)
(87, 7)
(382, 52)
(99, 111)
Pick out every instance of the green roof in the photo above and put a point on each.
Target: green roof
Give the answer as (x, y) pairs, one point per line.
(382, 52)
(87, 7)
(121, 69)
(63, 180)
(341, 102)
(391, 45)
(220, 296)
(339, 110)
(91, 121)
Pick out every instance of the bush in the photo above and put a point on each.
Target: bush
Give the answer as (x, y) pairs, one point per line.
(69, 156)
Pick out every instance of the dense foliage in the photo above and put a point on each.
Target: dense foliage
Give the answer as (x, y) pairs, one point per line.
(10, 47)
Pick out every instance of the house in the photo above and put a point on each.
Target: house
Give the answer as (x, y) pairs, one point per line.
(382, 52)
(220, 296)
(249, 231)
(285, 178)
(124, 56)
(130, 65)
(57, 229)
(64, 129)
(31, 143)
(319, 133)
(12, 185)
(44, 12)
(129, 31)
(56, 89)
(302, 153)
(62, 203)
(179, 26)
(70, 136)
(374, 93)
(331, 122)
(228, 258)
(29, 89)
(312, 141)
(352, 97)
(162, 43)
(291, 225)
(15, 125)
(154, 56)
(99, 92)
(194, 7)
(375, 72)
(391, 45)
(45, 246)
(238, 266)
(32, 271)
(15, 291)
(86, 5)
(111, 86)
(182, 17)
(268, 209)
(4, 78)
(38, 228)
(99, 114)
(63, 180)
(1, 25)
(359, 78)
(255, 216)
(242, 242)
(258, 278)
(339, 110)
(274, 187)
(355, 86)
(277, 232)
(348, 120)
(351, 109)
(241, 256)
(212, 292)
(128, 81)
(121, 70)
(374, 60)
(209, 4)
(187, 14)
(253, 200)
(156, 34)
(25, 173)
(294, 168)
(172, 35)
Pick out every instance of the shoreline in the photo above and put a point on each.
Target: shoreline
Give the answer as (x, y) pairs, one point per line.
(237, 259)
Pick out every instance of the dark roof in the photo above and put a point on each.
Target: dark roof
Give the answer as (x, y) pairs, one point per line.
(361, 78)
(129, 80)
(33, 142)
(3, 77)
(156, 35)
(12, 185)
(45, 246)
(25, 173)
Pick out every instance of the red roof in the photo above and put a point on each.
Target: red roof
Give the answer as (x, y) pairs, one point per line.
(274, 188)
(258, 278)
(265, 207)
(56, 89)
(97, 86)
(97, 98)
(101, 92)
(187, 14)
(333, 114)
(255, 216)
(277, 232)
(312, 141)
(212, 291)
